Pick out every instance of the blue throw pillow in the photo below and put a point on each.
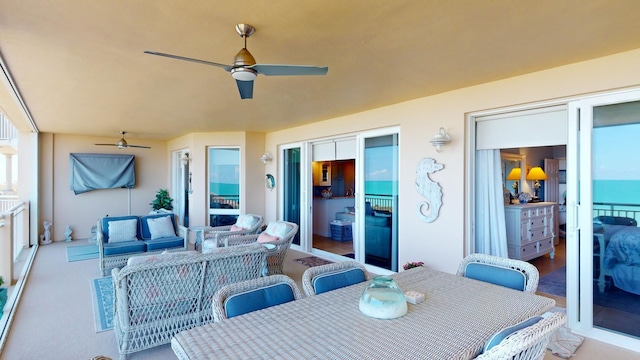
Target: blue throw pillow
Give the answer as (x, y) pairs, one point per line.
(257, 299)
(337, 279)
(502, 334)
(498, 275)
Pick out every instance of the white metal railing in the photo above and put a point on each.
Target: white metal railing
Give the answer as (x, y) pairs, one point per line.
(7, 130)
(7, 202)
(14, 236)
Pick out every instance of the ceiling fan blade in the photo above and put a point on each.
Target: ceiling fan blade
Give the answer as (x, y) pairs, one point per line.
(139, 146)
(245, 88)
(286, 70)
(106, 144)
(177, 57)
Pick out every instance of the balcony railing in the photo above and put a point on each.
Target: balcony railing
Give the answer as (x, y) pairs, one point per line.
(7, 130)
(622, 210)
(380, 202)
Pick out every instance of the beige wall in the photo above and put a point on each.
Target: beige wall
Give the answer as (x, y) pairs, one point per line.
(441, 244)
(252, 174)
(62, 207)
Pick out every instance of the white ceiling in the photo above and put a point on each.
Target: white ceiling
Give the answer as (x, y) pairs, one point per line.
(80, 68)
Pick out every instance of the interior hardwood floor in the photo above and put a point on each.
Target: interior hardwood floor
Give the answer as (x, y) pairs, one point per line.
(547, 265)
(333, 246)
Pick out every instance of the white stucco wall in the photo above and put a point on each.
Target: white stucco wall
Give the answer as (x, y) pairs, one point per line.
(441, 244)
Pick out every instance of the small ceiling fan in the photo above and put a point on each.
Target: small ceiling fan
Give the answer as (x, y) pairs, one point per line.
(244, 68)
(122, 143)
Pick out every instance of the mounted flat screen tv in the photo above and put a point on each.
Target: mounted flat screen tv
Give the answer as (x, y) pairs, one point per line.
(101, 171)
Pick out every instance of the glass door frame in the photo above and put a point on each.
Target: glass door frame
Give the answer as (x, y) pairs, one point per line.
(304, 229)
(580, 217)
(359, 239)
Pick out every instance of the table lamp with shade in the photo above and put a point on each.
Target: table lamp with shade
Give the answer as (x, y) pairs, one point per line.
(515, 175)
(536, 174)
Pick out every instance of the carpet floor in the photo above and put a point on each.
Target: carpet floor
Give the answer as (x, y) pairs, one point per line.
(102, 296)
(82, 252)
(554, 283)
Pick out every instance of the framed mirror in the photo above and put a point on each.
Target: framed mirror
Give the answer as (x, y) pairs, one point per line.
(513, 171)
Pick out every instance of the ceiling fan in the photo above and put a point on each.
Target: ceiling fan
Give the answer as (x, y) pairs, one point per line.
(244, 68)
(122, 143)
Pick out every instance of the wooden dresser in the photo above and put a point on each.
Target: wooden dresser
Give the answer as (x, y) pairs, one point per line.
(530, 229)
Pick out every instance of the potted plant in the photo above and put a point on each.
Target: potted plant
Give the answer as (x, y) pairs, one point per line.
(162, 201)
(3, 295)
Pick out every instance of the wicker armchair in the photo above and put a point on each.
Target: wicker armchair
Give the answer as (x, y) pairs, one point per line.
(157, 298)
(254, 228)
(530, 272)
(277, 249)
(339, 269)
(529, 343)
(253, 295)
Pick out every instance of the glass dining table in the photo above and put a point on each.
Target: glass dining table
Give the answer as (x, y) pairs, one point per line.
(454, 321)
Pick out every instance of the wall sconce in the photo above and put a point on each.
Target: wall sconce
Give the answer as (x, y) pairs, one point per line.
(441, 139)
(266, 158)
(185, 159)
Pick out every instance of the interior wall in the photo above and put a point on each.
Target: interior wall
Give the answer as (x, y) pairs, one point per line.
(82, 211)
(252, 174)
(441, 244)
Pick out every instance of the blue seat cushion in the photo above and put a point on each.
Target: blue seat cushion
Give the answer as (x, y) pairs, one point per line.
(498, 275)
(502, 334)
(108, 219)
(337, 279)
(164, 243)
(257, 299)
(145, 233)
(124, 247)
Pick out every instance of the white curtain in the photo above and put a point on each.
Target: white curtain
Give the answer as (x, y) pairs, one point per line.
(490, 229)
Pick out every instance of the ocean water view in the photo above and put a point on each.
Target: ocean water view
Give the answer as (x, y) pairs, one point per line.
(616, 192)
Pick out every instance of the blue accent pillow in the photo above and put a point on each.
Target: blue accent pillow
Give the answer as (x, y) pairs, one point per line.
(337, 279)
(498, 275)
(257, 299)
(502, 334)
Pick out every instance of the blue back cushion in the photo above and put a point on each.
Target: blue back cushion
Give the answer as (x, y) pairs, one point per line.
(257, 299)
(498, 275)
(106, 220)
(337, 279)
(502, 334)
(146, 234)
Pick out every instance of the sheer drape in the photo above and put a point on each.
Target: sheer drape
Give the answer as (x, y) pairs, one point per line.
(490, 229)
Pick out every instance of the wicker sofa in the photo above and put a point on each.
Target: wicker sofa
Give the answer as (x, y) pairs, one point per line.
(159, 295)
(118, 238)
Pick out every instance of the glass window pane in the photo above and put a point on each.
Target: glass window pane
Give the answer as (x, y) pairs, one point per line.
(224, 185)
(616, 212)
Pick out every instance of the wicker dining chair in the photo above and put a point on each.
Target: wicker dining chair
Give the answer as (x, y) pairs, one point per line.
(319, 279)
(278, 245)
(251, 295)
(516, 274)
(528, 343)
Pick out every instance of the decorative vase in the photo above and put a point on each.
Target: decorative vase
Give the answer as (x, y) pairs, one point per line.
(326, 193)
(383, 299)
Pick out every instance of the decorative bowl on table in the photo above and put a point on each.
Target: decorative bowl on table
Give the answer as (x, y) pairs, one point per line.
(383, 299)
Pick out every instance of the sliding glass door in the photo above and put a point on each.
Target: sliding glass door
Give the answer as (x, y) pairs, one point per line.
(224, 185)
(292, 187)
(603, 237)
(377, 199)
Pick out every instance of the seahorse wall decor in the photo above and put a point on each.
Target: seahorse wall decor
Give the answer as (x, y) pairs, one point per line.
(428, 210)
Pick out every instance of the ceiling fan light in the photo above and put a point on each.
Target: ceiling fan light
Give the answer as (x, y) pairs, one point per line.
(243, 74)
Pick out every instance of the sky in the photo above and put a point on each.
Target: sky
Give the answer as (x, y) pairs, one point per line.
(615, 152)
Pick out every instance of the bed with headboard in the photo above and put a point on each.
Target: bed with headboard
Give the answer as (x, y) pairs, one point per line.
(617, 247)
